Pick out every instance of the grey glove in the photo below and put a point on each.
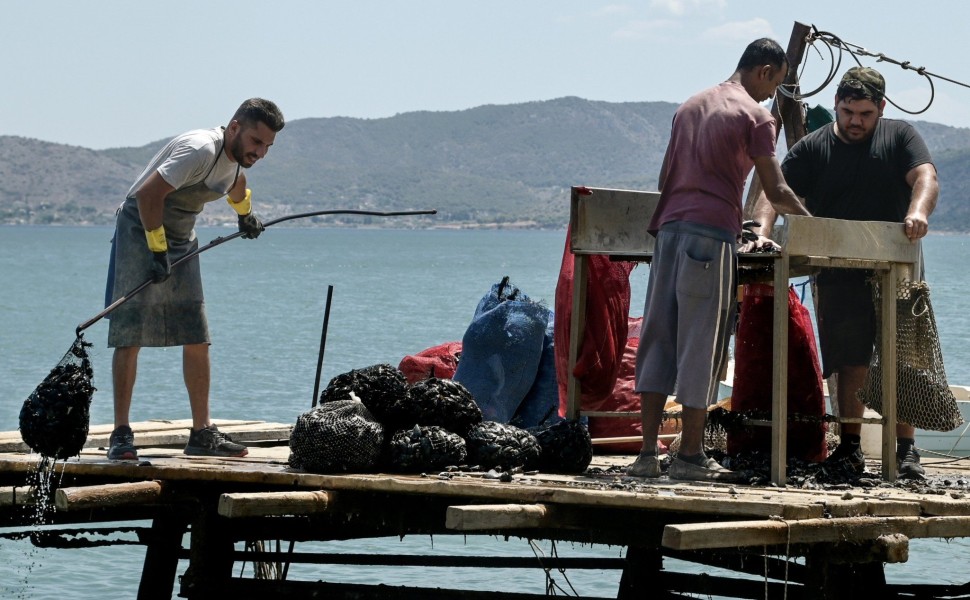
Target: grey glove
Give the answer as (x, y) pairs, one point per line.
(250, 226)
(161, 267)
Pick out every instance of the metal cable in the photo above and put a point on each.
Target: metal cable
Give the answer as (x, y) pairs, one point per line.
(834, 43)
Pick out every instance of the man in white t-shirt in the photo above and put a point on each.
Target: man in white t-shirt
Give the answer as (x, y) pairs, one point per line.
(155, 228)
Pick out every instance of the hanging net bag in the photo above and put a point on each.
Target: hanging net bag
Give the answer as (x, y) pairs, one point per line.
(924, 399)
(54, 419)
(339, 436)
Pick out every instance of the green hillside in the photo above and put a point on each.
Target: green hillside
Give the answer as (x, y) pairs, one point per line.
(509, 165)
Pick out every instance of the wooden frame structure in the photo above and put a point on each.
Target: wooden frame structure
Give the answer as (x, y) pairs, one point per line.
(614, 223)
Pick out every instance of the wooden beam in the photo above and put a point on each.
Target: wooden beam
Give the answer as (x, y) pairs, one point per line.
(488, 517)
(113, 494)
(787, 112)
(262, 504)
(16, 496)
(740, 534)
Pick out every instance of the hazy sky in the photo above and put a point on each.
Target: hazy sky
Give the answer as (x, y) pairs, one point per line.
(109, 73)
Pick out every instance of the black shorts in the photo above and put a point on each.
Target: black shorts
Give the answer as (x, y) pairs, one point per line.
(846, 318)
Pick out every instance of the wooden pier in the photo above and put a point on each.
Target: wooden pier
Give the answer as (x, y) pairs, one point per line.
(802, 544)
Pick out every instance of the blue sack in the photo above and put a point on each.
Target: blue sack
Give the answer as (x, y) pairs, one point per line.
(502, 349)
(541, 404)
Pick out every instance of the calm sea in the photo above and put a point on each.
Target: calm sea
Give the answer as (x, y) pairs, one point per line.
(396, 292)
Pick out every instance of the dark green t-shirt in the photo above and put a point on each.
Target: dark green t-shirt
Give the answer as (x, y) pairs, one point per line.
(858, 182)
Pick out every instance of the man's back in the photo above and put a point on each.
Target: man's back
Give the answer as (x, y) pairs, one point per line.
(716, 134)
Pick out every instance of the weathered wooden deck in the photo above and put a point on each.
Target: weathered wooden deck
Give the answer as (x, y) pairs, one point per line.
(224, 502)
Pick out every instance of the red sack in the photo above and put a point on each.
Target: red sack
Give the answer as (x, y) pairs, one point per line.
(623, 399)
(752, 376)
(439, 361)
(605, 335)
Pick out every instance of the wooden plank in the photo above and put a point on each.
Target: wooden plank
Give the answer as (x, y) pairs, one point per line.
(740, 534)
(839, 238)
(17, 496)
(102, 496)
(163, 433)
(490, 517)
(262, 504)
(611, 222)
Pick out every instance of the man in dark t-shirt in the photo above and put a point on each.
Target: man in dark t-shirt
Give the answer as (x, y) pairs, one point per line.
(864, 168)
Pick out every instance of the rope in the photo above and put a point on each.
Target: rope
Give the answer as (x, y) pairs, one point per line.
(836, 47)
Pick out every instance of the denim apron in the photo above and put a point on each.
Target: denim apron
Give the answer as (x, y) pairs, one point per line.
(171, 313)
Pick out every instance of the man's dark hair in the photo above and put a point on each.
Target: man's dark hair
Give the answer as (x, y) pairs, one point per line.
(259, 110)
(764, 51)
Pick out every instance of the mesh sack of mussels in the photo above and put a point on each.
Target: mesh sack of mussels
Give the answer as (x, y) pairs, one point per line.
(442, 402)
(382, 388)
(337, 436)
(566, 447)
(54, 419)
(492, 444)
(425, 448)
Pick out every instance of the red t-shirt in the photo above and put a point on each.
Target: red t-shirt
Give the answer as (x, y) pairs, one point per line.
(715, 137)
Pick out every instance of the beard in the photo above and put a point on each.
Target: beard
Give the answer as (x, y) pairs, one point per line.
(239, 155)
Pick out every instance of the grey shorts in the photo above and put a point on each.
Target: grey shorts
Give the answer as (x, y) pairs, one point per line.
(688, 314)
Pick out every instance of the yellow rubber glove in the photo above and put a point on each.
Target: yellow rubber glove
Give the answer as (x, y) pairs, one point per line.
(156, 239)
(244, 206)
(161, 267)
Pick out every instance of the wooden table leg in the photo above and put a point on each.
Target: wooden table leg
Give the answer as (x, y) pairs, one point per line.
(779, 373)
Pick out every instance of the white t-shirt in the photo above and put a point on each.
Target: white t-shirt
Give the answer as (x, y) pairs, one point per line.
(186, 159)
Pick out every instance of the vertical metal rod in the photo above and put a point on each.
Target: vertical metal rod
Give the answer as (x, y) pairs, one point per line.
(323, 344)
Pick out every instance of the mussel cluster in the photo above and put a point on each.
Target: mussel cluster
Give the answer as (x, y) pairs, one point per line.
(429, 425)
(497, 444)
(54, 419)
(566, 447)
(425, 448)
(380, 387)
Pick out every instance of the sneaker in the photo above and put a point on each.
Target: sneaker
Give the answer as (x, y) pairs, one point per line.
(849, 457)
(209, 441)
(646, 465)
(711, 470)
(121, 444)
(907, 463)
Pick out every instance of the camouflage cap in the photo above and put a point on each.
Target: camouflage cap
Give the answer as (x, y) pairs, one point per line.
(863, 82)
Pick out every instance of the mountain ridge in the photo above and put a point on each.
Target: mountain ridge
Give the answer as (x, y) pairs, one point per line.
(491, 165)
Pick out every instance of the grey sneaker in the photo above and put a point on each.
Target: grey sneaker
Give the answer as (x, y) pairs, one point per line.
(848, 457)
(209, 441)
(709, 471)
(646, 465)
(121, 444)
(907, 463)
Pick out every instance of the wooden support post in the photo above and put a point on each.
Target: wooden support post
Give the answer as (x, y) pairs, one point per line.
(787, 112)
(641, 573)
(779, 372)
(101, 496)
(577, 327)
(263, 504)
(210, 557)
(887, 282)
(838, 580)
(16, 496)
(162, 556)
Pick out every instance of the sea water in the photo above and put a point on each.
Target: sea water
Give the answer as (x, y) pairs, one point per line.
(395, 292)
